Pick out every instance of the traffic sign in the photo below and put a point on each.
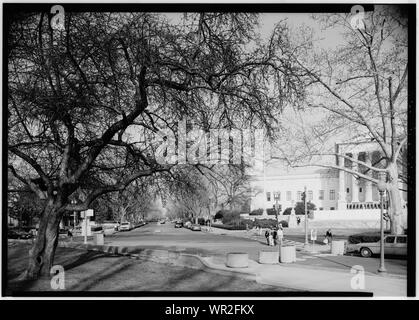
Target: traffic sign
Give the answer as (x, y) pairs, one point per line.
(87, 213)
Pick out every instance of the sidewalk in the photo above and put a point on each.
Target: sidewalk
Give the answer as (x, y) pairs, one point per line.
(314, 279)
(291, 276)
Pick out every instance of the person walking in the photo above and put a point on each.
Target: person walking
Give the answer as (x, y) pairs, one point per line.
(271, 239)
(70, 234)
(275, 236)
(267, 232)
(329, 236)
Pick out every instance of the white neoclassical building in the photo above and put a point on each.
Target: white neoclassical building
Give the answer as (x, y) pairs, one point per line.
(327, 188)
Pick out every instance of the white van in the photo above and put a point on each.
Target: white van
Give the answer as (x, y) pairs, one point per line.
(125, 226)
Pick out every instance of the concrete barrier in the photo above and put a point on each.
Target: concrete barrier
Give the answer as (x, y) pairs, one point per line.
(98, 239)
(338, 247)
(268, 257)
(237, 260)
(287, 254)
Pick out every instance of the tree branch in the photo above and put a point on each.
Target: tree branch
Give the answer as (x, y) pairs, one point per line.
(353, 172)
(119, 186)
(32, 162)
(351, 159)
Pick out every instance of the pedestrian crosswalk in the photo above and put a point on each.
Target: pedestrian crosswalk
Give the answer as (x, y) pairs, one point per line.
(293, 243)
(286, 242)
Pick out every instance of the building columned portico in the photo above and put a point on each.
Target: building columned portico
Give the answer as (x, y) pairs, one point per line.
(328, 189)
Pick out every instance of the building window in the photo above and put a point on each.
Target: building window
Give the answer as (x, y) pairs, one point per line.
(321, 195)
(299, 195)
(268, 196)
(332, 195)
(310, 195)
(277, 196)
(347, 190)
(360, 189)
(288, 195)
(332, 208)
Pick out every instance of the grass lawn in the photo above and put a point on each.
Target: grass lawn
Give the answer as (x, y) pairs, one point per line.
(96, 271)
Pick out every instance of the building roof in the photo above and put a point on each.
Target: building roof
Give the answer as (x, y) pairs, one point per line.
(280, 168)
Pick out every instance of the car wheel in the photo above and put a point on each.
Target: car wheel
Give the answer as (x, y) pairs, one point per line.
(365, 252)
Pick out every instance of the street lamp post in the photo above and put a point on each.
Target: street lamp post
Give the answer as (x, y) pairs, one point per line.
(305, 216)
(276, 197)
(381, 185)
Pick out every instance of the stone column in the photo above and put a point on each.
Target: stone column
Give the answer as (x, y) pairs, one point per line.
(368, 184)
(342, 187)
(355, 186)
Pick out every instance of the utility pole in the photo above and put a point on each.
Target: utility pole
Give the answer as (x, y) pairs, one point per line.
(305, 215)
(381, 189)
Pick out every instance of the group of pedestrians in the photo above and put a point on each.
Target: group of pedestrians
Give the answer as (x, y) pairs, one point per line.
(274, 236)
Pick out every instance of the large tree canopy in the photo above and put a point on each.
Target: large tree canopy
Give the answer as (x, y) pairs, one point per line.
(85, 101)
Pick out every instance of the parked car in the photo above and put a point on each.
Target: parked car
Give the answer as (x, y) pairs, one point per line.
(393, 244)
(97, 229)
(195, 227)
(110, 225)
(178, 224)
(18, 234)
(63, 231)
(140, 223)
(76, 231)
(32, 230)
(125, 226)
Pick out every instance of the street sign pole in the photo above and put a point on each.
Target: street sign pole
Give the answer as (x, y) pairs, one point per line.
(85, 228)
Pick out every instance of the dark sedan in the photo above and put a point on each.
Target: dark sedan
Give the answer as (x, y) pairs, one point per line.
(18, 234)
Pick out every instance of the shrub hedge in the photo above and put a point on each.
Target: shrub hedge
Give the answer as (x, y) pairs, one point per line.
(299, 208)
(256, 212)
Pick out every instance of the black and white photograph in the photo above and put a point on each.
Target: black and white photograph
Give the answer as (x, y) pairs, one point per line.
(185, 149)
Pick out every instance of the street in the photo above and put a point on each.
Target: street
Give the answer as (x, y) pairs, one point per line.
(166, 236)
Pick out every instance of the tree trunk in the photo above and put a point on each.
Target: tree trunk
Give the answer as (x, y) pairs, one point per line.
(41, 255)
(395, 203)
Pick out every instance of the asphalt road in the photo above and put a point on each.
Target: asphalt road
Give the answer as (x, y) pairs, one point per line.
(181, 239)
(168, 237)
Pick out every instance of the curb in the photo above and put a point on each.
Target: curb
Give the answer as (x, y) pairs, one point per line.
(197, 262)
(164, 256)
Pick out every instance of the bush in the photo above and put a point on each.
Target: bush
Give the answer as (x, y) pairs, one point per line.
(229, 227)
(219, 215)
(229, 216)
(299, 208)
(265, 223)
(271, 211)
(236, 224)
(256, 212)
(201, 221)
(284, 223)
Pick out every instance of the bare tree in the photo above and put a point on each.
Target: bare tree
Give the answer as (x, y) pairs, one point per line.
(76, 97)
(358, 91)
